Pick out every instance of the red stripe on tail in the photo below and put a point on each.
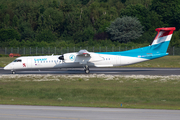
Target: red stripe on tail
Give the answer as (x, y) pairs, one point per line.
(164, 31)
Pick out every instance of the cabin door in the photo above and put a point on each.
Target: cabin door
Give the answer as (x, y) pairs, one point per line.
(118, 60)
(29, 63)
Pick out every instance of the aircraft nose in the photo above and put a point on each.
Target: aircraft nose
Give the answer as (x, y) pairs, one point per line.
(7, 67)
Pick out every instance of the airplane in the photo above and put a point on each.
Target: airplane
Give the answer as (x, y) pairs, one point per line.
(86, 60)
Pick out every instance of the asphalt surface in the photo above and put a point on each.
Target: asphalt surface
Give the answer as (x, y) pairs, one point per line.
(18, 112)
(108, 71)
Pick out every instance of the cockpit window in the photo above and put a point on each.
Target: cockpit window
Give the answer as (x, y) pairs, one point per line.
(17, 60)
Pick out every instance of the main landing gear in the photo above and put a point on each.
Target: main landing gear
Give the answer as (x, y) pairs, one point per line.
(86, 69)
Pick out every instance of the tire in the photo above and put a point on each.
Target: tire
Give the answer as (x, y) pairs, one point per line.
(13, 72)
(87, 71)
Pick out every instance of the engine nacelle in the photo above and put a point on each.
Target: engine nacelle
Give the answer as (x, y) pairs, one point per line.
(81, 59)
(70, 57)
(61, 57)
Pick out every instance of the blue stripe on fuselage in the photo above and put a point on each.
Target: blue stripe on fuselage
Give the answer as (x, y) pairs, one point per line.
(148, 52)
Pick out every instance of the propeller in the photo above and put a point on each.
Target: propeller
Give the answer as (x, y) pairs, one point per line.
(61, 57)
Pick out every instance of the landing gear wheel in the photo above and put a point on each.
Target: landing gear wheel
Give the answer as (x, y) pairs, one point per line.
(13, 72)
(86, 69)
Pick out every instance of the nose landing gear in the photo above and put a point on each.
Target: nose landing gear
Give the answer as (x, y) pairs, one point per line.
(13, 72)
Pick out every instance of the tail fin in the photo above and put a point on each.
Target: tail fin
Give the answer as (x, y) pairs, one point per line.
(162, 39)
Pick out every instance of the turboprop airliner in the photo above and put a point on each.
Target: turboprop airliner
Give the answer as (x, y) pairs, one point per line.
(86, 60)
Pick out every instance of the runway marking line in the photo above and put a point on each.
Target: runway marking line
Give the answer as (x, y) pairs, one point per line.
(8, 114)
(44, 117)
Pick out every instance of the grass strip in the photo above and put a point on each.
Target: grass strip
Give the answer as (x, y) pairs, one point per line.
(153, 92)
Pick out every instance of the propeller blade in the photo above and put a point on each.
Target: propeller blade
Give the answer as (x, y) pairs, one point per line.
(61, 57)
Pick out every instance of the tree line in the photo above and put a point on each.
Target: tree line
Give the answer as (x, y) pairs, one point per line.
(64, 23)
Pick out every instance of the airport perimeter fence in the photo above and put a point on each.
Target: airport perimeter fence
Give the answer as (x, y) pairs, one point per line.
(62, 50)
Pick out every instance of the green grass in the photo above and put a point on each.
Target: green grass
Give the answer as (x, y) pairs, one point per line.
(164, 62)
(158, 93)
(6, 60)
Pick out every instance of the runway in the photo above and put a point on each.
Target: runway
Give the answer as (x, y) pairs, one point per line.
(18, 112)
(108, 71)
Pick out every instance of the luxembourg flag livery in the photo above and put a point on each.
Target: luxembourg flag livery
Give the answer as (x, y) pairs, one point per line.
(163, 35)
(161, 42)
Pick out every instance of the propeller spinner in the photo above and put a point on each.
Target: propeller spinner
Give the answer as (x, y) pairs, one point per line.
(61, 57)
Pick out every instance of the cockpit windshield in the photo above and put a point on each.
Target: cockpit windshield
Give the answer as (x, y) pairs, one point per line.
(17, 60)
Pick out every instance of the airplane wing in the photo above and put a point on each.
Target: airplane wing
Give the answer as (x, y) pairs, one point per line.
(82, 57)
(83, 53)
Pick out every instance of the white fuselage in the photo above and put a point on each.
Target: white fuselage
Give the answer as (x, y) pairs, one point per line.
(100, 60)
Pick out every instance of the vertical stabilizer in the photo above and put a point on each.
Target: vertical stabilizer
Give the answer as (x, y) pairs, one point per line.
(162, 39)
